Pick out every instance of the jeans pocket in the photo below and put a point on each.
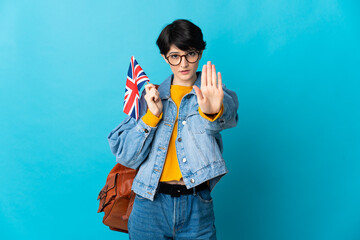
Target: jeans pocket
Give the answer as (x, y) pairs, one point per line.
(204, 196)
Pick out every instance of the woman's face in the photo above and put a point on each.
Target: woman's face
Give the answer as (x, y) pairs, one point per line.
(185, 72)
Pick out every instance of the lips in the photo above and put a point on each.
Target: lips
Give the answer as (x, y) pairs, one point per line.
(185, 71)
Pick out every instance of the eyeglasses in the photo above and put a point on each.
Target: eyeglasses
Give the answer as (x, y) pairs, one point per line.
(175, 59)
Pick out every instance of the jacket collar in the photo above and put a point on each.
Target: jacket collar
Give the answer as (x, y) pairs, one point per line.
(164, 87)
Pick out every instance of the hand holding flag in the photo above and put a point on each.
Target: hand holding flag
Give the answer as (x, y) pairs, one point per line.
(153, 99)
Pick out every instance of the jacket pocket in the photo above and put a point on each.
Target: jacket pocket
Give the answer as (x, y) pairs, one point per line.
(195, 122)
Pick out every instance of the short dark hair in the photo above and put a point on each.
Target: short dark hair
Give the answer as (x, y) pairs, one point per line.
(183, 34)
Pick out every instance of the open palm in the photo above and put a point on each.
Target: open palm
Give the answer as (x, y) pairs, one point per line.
(210, 95)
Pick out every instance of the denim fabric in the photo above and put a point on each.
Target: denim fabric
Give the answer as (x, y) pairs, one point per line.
(199, 144)
(185, 217)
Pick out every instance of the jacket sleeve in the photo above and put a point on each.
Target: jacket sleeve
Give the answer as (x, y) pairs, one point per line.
(229, 117)
(130, 141)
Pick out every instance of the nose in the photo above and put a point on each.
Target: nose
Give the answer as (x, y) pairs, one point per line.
(184, 63)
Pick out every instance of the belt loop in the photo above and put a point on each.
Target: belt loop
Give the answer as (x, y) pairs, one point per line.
(194, 191)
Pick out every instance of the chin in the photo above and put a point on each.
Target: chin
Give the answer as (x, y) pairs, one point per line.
(187, 77)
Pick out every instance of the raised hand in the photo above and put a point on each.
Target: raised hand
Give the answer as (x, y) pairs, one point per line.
(153, 100)
(210, 95)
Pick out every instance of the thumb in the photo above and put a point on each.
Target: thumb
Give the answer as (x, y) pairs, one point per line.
(198, 93)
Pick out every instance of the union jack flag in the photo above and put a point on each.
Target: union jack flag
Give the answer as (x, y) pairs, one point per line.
(135, 80)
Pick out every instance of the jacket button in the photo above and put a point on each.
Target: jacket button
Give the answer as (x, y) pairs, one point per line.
(184, 160)
(179, 139)
(183, 122)
(192, 180)
(146, 131)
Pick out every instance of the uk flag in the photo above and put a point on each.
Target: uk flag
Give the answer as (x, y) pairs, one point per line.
(135, 80)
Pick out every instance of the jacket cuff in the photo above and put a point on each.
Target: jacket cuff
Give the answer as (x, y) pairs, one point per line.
(212, 117)
(150, 119)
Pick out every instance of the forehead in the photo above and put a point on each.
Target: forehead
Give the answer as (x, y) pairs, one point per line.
(174, 49)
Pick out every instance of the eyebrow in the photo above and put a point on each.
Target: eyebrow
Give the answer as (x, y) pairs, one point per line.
(187, 51)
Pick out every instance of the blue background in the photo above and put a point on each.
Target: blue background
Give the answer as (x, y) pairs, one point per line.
(293, 158)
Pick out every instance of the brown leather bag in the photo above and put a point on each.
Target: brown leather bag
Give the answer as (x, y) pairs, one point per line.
(117, 198)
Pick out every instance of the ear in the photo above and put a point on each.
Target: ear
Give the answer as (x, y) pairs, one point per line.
(164, 58)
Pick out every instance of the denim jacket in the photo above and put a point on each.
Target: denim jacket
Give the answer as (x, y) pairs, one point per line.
(199, 144)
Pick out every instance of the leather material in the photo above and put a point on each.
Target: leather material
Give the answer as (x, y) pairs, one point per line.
(176, 190)
(117, 198)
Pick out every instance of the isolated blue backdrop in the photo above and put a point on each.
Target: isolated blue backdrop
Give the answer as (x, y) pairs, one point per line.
(294, 158)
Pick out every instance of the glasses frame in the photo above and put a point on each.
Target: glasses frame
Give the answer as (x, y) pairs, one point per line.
(181, 57)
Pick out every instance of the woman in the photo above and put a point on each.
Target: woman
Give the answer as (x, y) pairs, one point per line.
(176, 143)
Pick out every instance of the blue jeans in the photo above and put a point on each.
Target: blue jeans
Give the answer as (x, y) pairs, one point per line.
(185, 217)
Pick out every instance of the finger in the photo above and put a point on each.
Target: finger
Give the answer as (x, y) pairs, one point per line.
(154, 97)
(208, 79)
(148, 94)
(147, 88)
(157, 96)
(213, 75)
(198, 93)
(219, 81)
(151, 86)
(203, 77)
(153, 91)
(153, 94)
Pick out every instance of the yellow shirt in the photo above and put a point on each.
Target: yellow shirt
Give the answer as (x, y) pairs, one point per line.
(171, 170)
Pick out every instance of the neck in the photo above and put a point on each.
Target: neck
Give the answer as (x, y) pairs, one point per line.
(177, 81)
